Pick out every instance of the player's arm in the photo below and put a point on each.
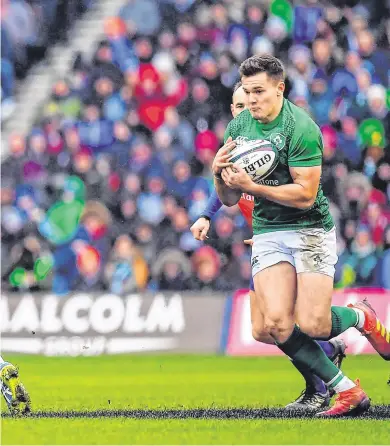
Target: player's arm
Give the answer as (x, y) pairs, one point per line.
(301, 194)
(228, 196)
(202, 225)
(304, 160)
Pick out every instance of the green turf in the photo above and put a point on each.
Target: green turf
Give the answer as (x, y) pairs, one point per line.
(156, 382)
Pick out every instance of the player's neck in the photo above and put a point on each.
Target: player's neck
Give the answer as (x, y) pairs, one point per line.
(274, 114)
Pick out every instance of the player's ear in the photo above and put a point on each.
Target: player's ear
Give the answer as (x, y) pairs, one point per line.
(232, 109)
(280, 88)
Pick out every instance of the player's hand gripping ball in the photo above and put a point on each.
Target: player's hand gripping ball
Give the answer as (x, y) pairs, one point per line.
(258, 158)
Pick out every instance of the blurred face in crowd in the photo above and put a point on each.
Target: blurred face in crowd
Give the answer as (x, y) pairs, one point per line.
(103, 165)
(162, 139)
(104, 54)
(170, 206)
(143, 48)
(171, 270)
(207, 270)
(186, 32)
(318, 86)
(172, 118)
(321, 52)
(132, 184)
(128, 208)
(181, 54)
(239, 102)
(104, 86)
(352, 62)
(123, 246)
(358, 23)
(180, 220)
(91, 113)
(363, 79)
(72, 140)
(200, 91)
(224, 227)
(61, 89)
(32, 244)
(166, 40)
(144, 233)
(366, 42)
(182, 171)
(374, 152)
(38, 143)
(349, 127)
(121, 131)
(156, 185)
(255, 14)
(17, 145)
(83, 162)
(263, 95)
(350, 229)
(6, 195)
(374, 212)
(142, 153)
(363, 238)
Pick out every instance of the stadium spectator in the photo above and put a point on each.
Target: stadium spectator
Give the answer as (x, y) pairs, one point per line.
(140, 123)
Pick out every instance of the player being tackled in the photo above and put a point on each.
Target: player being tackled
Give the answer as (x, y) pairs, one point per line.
(294, 241)
(315, 396)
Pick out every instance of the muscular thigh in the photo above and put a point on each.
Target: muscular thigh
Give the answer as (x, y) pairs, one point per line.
(313, 305)
(275, 292)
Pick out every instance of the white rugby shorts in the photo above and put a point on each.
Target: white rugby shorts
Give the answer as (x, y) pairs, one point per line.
(308, 250)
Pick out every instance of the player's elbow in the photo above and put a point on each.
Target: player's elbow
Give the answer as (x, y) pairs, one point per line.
(306, 203)
(307, 199)
(229, 197)
(230, 200)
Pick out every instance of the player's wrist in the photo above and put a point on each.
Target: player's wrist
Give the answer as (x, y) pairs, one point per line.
(206, 217)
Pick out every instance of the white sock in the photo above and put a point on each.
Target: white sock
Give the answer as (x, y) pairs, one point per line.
(361, 318)
(2, 360)
(343, 385)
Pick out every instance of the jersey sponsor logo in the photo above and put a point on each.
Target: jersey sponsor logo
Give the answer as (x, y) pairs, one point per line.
(247, 197)
(279, 140)
(269, 182)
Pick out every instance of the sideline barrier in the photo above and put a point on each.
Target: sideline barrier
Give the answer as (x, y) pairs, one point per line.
(93, 324)
(237, 335)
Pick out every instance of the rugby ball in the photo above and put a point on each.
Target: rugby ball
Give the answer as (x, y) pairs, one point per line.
(258, 157)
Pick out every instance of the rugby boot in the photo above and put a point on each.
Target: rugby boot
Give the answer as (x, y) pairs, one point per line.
(375, 332)
(14, 392)
(351, 402)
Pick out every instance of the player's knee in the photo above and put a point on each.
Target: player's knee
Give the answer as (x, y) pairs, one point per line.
(316, 327)
(277, 325)
(259, 334)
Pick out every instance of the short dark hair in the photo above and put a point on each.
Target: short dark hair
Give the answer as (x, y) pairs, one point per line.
(263, 64)
(237, 85)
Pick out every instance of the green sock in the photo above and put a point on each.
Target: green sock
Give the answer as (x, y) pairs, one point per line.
(342, 319)
(305, 352)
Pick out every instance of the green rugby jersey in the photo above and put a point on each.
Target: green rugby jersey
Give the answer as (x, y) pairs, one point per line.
(299, 141)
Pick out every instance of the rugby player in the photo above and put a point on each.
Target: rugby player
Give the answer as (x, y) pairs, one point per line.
(315, 395)
(14, 392)
(294, 241)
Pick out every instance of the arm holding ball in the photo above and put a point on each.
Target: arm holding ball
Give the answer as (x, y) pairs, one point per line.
(228, 196)
(300, 194)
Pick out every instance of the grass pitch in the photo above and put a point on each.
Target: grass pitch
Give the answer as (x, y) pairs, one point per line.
(184, 400)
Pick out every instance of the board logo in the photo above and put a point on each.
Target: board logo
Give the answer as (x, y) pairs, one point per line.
(279, 140)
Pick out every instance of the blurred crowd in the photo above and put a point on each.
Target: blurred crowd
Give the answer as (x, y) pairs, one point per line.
(102, 193)
(28, 28)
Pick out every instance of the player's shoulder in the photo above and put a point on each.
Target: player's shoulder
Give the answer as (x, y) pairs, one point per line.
(300, 119)
(239, 123)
